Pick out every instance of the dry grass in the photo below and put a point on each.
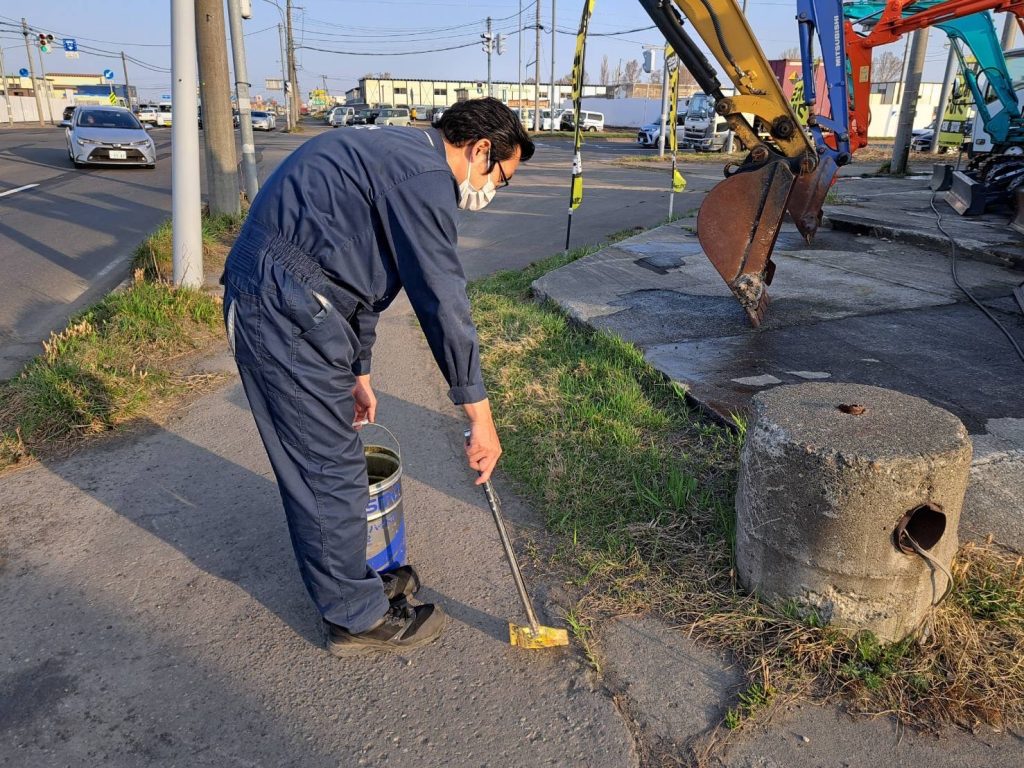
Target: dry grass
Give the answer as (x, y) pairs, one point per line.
(118, 360)
(638, 490)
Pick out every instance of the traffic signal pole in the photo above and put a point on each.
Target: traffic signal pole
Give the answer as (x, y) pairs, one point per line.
(46, 86)
(489, 45)
(32, 73)
(249, 177)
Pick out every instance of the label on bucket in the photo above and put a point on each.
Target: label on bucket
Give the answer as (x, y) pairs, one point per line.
(384, 500)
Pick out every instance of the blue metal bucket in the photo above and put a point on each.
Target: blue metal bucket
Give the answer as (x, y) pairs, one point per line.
(385, 519)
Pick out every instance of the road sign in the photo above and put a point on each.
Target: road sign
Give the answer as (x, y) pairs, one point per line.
(70, 44)
(108, 74)
(165, 97)
(23, 72)
(71, 54)
(273, 85)
(112, 98)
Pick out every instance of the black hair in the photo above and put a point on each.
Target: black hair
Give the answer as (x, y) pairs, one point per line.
(475, 119)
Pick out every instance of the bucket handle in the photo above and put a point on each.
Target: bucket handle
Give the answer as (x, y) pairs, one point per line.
(381, 426)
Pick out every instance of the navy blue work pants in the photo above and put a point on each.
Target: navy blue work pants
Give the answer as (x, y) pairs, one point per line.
(294, 349)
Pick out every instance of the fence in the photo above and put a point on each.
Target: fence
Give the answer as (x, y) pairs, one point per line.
(23, 109)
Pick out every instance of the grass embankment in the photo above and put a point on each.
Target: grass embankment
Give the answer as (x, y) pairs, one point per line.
(639, 489)
(118, 360)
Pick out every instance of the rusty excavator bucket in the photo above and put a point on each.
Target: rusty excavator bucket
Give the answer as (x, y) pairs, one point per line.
(737, 226)
(808, 196)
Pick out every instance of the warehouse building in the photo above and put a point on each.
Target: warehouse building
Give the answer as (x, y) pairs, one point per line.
(411, 92)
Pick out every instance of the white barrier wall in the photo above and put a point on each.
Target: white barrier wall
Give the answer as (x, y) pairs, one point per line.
(23, 109)
(623, 113)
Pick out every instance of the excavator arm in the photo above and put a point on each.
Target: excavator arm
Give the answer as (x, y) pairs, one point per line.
(739, 221)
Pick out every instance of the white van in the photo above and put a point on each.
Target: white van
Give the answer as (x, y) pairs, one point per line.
(341, 116)
(394, 116)
(163, 114)
(589, 121)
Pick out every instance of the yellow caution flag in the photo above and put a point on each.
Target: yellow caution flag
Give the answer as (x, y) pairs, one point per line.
(577, 96)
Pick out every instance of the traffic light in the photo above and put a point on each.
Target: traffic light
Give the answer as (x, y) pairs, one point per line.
(45, 42)
(648, 61)
(501, 44)
(488, 42)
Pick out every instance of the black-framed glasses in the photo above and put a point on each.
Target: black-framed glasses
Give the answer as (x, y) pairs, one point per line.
(502, 178)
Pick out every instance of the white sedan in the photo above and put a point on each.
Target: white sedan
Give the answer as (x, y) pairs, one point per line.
(263, 121)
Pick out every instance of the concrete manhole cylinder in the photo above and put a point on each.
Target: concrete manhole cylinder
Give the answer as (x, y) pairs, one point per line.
(829, 475)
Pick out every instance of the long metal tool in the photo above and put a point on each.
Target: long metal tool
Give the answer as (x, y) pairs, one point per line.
(536, 635)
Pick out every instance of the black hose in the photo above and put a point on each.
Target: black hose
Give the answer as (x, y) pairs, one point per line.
(717, 24)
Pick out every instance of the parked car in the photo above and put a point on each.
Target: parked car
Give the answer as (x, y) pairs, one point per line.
(649, 134)
(68, 111)
(589, 121)
(108, 136)
(163, 115)
(420, 112)
(436, 115)
(342, 116)
(548, 121)
(366, 117)
(263, 121)
(397, 116)
(145, 115)
(329, 114)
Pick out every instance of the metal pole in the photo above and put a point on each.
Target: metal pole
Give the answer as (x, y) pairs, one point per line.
(46, 87)
(293, 74)
(903, 71)
(551, 99)
(519, 39)
(908, 109)
(127, 90)
(490, 47)
(664, 109)
(32, 73)
(249, 177)
(7, 96)
(1009, 35)
(947, 87)
(327, 93)
(215, 94)
(536, 74)
(186, 223)
(284, 79)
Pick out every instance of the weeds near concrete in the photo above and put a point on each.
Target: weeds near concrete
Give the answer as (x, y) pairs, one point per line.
(638, 489)
(117, 360)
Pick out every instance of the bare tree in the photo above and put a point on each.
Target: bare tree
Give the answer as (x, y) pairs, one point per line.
(790, 53)
(686, 79)
(566, 79)
(633, 70)
(606, 71)
(887, 68)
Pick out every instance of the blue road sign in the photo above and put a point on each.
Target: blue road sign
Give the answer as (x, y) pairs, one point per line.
(108, 74)
(166, 96)
(23, 72)
(70, 44)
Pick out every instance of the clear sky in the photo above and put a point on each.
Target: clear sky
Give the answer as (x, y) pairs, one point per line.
(388, 27)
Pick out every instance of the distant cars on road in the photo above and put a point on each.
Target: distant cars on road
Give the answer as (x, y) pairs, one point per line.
(145, 115)
(108, 136)
(263, 121)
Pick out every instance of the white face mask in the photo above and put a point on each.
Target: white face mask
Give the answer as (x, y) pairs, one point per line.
(473, 199)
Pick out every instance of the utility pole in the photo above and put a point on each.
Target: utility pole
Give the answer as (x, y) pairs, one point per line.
(7, 96)
(947, 87)
(186, 224)
(127, 90)
(249, 177)
(664, 108)
(215, 95)
(489, 43)
(285, 83)
(1009, 35)
(327, 93)
(293, 75)
(46, 86)
(32, 73)
(536, 75)
(519, 39)
(551, 99)
(908, 109)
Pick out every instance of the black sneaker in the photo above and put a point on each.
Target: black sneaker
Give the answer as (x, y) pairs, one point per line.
(403, 626)
(401, 582)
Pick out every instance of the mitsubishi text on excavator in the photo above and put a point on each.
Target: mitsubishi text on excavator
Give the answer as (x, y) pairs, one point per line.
(786, 168)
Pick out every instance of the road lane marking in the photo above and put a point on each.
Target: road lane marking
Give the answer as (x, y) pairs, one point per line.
(17, 189)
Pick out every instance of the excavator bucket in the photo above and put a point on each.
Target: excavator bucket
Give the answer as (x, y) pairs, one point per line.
(942, 177)
(808, 196)
(967, 196)
(737, 226)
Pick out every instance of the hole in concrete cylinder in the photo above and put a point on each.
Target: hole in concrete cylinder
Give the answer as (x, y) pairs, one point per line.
(925, 524)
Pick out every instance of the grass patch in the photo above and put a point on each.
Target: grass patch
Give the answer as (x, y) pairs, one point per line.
(638, 491)
(119, 359)
(154, 254)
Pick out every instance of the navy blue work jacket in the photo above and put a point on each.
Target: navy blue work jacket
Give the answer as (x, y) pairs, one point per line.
(375, 209)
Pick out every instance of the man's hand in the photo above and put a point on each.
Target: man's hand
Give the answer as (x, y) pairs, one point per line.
(366, 401)
(483, 448)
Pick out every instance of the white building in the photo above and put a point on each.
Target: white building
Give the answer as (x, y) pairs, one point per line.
(410, 92)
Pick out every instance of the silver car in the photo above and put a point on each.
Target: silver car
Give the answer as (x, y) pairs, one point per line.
(108, 136)
(263, 121)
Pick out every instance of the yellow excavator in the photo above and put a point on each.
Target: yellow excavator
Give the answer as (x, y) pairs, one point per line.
(740, 219)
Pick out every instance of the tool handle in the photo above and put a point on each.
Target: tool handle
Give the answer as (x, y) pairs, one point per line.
(510, 555)
(391, 434)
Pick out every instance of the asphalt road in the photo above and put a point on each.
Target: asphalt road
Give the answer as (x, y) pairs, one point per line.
(67, 235)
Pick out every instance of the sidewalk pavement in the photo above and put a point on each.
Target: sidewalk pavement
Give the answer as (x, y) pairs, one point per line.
(153, 613)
